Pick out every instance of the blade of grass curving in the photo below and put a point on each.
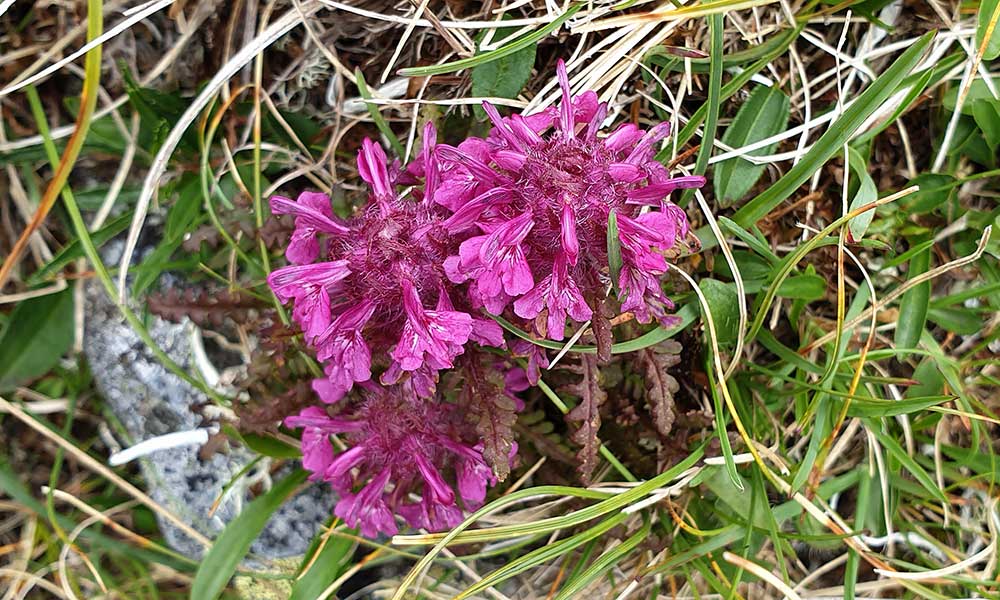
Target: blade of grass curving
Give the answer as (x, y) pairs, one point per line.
(506, 50)
(833, 140)
(221, 560)
(88, 102)
(455, 536)
(603, 563)
(789, 262)
(376, 115)
(542, 555)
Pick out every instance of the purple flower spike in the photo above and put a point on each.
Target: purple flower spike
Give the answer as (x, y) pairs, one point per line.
(364, 306)
(536, 197)
(398, 445)
(312, 216)
(438, 334)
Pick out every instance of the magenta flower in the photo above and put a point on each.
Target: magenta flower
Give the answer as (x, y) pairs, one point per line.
(379, 297)
(399, 446)
(533, 202)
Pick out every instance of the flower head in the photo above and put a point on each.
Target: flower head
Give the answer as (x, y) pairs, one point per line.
(399, 446)
(533, 202)
(379, 294)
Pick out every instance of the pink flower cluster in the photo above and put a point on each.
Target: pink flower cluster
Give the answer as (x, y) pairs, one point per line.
(517, 222)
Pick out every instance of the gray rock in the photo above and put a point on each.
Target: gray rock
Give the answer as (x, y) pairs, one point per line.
(149, 400)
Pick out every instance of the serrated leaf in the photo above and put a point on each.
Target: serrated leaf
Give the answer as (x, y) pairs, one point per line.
(38, 334)
(661, 385)
(866, 194)
(587, 413)
(221, 560)
(989, 12)
(723, 302)
(504, 77)
(763, 115)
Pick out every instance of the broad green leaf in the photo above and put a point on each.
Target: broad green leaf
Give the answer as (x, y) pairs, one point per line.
(987, 116)
(333, 560)
(723, 303)
(837, 135)
(928, 378)
(866, 194)
(978, 90)
(221, 560)
(185, 210)
(803, 287)
(960, 321)
(989, 12)
(38, 333)
(913, 306)
(935, 190)
(262, 444)
(763, 115)
(506, 76)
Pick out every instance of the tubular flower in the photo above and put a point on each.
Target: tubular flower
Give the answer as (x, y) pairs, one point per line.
(379, 295)
(407, 456)
(533, 200)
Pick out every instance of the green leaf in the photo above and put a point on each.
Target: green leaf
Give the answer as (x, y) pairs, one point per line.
(987, 116)
(185, 210)
(39, 332)
(837, 135)
(960, 321)
(899, 454)
(866, 194)
(913, 306)
(723, 302)
(331, 563)
(614, 249)
(803, 287)
(935, 190)
(989, 11)
(891, 408)
(221, 560)
(763, 115)
(74, 249)
(506, 76)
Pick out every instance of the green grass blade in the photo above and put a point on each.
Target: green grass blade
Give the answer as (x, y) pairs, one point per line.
(220, 562)
(833, 140)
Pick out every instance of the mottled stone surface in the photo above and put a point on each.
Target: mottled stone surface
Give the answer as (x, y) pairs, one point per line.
(148, 400)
